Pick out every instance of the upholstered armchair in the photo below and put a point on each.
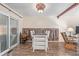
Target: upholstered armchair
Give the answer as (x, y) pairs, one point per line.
(23, 37)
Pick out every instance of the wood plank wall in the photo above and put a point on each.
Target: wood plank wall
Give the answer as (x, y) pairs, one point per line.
(54, 33)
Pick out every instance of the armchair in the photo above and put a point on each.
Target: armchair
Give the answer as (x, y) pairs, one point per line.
(69, 42)
(39, 41)
(23, 37)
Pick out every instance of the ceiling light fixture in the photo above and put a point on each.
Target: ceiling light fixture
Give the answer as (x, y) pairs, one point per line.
(40, 7)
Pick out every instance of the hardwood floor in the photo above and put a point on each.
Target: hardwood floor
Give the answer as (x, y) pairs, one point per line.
(55, 49)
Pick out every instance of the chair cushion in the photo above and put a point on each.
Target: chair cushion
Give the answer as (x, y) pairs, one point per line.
(70, 46)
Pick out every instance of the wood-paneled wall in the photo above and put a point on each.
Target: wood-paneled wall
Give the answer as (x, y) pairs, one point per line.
(54, 32)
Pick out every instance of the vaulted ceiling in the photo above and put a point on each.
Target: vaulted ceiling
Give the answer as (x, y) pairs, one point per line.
(28, 9)
(71, 17)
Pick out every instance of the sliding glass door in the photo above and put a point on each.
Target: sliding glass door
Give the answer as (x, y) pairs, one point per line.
(13, 31)
(8, 33)
(4, 32)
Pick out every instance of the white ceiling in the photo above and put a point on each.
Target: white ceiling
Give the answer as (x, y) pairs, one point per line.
(28, 9)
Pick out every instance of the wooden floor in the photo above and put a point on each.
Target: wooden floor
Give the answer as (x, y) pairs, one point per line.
(55, 49)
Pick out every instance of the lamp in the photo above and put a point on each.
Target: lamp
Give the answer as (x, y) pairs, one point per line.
(70, 30)
(40, 7)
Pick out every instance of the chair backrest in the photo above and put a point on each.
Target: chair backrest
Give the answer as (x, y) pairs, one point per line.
(48, 33)
(32, 32)
(23, 35)
(65, 37)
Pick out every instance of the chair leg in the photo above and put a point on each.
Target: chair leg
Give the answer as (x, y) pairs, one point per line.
(33, 50)
(46, 49)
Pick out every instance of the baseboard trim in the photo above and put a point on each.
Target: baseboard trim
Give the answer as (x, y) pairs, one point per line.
(1, 54)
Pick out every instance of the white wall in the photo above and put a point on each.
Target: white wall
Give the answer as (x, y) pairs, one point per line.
(38, 22)
(42, 22)
(71, 21)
